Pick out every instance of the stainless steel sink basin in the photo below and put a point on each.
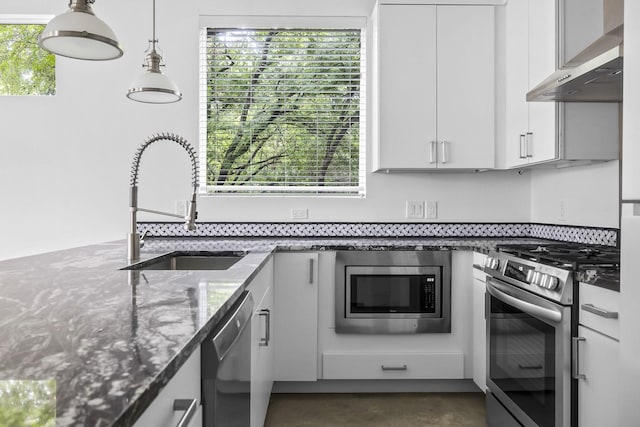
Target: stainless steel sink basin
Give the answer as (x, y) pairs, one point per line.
(190, 261)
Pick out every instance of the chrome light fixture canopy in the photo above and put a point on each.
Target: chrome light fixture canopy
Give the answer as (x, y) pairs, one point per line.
(79, 34)
(152, 86)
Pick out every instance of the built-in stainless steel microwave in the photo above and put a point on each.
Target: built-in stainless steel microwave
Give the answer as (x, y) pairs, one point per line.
(393, 292)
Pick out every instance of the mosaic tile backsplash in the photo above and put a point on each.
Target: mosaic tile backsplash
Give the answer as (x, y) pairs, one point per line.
(588, 235)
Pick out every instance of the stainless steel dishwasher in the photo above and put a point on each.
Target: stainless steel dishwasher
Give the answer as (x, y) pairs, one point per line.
(226, 368)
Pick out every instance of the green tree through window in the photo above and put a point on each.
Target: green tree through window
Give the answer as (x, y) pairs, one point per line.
(283, 110)
(25, 68)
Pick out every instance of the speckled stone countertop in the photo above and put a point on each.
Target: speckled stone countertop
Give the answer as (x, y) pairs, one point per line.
(111, 339)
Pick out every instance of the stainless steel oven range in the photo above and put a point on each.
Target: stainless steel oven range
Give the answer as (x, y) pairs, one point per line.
(393, 292)
(531, 312)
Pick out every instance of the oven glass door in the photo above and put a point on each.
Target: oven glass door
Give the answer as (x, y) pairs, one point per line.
(526, 358)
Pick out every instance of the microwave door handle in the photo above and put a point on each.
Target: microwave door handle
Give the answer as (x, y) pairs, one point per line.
(531, 309)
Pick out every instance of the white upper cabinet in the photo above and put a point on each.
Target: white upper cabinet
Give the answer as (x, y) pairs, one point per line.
(530, 47)
(551, 133)
(436, 87)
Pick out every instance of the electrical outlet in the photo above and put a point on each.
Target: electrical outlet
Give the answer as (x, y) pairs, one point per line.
(299, 213)
(563, 210)
(432, 209)
(415, 209)
(181, 207)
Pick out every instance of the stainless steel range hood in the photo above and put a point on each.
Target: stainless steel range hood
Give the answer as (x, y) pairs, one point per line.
(595, 74)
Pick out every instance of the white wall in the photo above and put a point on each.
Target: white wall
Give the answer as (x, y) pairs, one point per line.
(583, 195)
(64, 168)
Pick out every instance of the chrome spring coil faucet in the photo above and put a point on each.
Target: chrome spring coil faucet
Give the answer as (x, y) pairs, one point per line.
(133, 238)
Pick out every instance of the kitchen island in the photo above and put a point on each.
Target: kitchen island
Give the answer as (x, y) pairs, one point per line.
(111, 339)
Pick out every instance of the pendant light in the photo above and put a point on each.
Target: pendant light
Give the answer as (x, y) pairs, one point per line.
(79, 34)
(152, 86)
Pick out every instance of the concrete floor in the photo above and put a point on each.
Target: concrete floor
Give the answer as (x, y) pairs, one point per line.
(377, 410)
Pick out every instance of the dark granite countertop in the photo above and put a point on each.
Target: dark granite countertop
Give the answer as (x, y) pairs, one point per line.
(603, 277)
(111, 339)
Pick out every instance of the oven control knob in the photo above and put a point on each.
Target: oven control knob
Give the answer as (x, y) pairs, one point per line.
(491, 263)
(549, 282)
(536, 278)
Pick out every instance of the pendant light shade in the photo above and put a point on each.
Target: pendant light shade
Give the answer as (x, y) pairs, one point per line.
(152, 86)
(79, 34)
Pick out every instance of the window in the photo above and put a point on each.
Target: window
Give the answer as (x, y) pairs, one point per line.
(25, 68)
(283, 111)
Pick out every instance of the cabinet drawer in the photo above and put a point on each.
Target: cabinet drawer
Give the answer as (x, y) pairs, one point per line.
(606, 303)
(185, 386)
(361, 366)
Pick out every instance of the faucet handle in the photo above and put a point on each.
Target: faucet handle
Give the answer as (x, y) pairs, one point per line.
(142, 238)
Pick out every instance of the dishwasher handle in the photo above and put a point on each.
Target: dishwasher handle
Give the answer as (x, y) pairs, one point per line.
(232, 328)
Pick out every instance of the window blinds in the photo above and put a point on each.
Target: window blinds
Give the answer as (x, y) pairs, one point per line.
(283, 110)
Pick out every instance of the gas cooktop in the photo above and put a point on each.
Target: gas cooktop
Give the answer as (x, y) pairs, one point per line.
(570, 256)
(551, 269)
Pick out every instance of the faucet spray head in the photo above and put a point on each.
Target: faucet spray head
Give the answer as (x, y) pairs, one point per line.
(192, 213)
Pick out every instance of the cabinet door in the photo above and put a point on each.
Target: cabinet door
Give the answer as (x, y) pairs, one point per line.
(262, 351)
(466, 86)
(598, 391)
(516, 81)
(407, 58)
(542, 136)
(479, 335)
(530, 45)
(296, 316)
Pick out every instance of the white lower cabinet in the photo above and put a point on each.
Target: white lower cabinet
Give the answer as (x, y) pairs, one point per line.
(262, 350)
(479, 323)
(184, 388)
(598, 349)
(598, 390)
(381, 366)
(419, 357)
(296, 316)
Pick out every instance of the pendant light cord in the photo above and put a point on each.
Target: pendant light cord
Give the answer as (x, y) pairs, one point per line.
(154, 26)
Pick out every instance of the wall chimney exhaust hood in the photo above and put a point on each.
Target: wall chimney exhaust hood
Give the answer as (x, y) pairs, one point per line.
(595, 74)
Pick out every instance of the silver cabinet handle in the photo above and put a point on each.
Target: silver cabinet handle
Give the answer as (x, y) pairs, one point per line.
(444, 151)
(600, 311)
(189, 407)
(264, 342)
(575, 358)
(529, 144)
(394, 368)
(432, 151)
(523, 143)
(311, 271)
(527, 367)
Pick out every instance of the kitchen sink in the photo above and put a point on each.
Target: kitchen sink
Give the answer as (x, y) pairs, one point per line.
(190, 261)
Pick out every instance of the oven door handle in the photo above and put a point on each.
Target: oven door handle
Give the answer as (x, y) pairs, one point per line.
(544, 313)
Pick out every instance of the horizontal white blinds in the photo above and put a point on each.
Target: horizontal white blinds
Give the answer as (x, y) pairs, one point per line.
(283, 110)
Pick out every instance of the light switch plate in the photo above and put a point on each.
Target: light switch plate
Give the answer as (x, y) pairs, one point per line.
(415, 209)
(432, 209)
